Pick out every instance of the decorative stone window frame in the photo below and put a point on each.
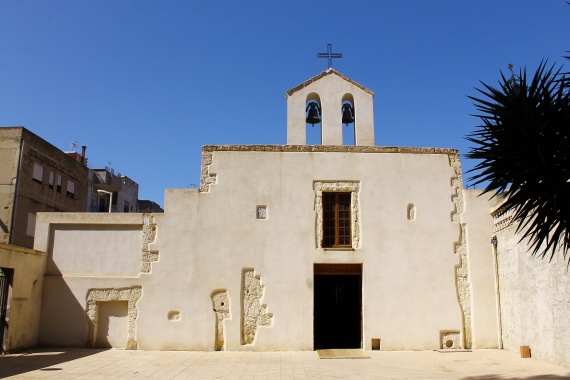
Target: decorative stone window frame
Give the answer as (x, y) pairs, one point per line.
(352, 187)
(95, 296)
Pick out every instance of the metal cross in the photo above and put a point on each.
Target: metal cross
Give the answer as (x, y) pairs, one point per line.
(329, 54)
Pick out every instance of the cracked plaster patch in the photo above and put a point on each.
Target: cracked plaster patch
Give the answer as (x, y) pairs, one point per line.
(94, 296)
(254, 313)
(149, 236)
(221, 302)
(337, 186)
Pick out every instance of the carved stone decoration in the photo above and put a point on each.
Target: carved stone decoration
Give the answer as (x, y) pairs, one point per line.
(502, 219)
(339, 186)
(221, 302)
(254, 313)
(462, 281)
(149, 236)
(457, 185)
(411, 211)
(206, 178)
(95, 296)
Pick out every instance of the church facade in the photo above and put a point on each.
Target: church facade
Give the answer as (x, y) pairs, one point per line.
(285, 247)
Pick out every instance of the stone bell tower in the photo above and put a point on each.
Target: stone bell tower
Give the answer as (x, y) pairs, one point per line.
(330, 94)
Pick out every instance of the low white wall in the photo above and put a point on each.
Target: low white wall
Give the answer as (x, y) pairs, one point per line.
(535, 300)
(29, 267)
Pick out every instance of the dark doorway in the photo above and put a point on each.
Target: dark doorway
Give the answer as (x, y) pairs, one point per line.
(6, 275)
(338, 306)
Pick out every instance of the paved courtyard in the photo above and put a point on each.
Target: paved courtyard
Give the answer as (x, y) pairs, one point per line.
(121, 364)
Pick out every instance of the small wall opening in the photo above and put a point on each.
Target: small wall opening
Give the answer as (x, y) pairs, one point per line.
(375, 344)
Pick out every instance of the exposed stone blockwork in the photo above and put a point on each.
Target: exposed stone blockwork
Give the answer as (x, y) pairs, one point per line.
(457, 184)
(460, 248)
(221, 302)
(94, 296)
(254, 313)
(340, 186)
(206, 178)
(149, 236)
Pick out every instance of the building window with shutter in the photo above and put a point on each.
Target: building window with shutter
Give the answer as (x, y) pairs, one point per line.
(336, 206)
(58, 189)
(70, 189)
(51, 179)
(38, 173)
(336, 220)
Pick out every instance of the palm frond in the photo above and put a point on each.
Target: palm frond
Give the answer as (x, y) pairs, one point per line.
(523, 144)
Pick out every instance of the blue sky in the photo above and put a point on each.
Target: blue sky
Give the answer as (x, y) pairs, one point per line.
(144, 84)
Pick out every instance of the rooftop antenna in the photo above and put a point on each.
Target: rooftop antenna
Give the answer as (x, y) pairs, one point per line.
(74, 145)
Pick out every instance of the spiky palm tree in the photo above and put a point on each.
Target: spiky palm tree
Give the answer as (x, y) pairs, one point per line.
(523, 145)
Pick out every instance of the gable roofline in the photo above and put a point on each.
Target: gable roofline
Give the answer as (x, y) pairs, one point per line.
(329, 71)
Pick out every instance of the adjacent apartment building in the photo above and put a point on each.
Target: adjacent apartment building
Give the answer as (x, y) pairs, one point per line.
(112, 193)
(35, 176)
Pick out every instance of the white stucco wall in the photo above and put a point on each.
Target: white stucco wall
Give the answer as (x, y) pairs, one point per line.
(205, 239)
(535, 298)
(484, 301)
(72, 245)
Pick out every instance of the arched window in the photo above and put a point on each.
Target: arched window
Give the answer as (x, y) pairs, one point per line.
(348, 120)
(313, 118)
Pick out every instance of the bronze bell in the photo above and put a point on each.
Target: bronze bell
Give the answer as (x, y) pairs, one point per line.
(313, 117)
(347, 114)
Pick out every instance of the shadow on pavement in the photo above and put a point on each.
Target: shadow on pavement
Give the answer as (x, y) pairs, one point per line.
(500, 377)
(41, 359)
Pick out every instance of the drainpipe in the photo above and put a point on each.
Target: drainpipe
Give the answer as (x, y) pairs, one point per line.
(495, 242)
(15, 206)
